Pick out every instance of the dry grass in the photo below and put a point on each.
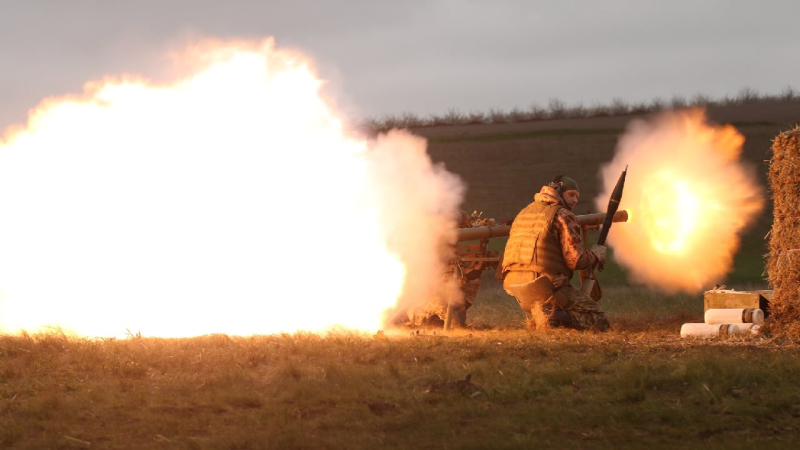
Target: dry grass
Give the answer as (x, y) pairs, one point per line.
(539, 319)
(495, 385)
(473, 389)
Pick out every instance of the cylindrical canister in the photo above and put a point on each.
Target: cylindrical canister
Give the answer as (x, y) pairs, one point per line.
(735, 315)
(744, 328)
(708, 329)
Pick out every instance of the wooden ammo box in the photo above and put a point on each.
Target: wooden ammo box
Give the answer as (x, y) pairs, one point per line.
(737, 299)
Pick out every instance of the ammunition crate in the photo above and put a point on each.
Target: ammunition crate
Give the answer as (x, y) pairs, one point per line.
(737, 299)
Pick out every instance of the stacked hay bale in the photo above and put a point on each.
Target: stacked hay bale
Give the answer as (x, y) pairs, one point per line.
(783, 265)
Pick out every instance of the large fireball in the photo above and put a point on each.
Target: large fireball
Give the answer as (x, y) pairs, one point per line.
(689, 197)
(233, 200)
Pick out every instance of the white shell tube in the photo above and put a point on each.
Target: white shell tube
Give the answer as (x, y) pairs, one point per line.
(708, 329)
(744, 328)
(735, 315)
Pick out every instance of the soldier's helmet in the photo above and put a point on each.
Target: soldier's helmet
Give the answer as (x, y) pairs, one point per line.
(563, 184)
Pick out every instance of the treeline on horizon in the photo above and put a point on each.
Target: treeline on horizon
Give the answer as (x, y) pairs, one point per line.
(558, 109)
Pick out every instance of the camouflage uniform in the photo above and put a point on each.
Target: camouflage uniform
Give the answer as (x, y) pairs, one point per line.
(545, 240)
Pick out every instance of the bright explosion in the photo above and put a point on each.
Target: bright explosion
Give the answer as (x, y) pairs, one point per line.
(233, 200)
(689, 197)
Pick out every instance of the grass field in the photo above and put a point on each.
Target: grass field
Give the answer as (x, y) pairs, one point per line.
(495, 384)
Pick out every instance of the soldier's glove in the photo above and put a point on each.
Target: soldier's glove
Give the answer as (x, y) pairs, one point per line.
(600, 252)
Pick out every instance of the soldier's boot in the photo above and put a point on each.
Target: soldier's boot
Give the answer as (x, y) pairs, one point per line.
(591, 321)
(600, 324)
(560, 318)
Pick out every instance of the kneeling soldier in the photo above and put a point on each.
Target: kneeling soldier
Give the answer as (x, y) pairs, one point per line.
(543, 250)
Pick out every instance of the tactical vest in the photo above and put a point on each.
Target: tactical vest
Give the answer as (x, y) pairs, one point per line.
(532, 245)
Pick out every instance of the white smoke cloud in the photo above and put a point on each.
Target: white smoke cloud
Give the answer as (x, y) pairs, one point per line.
(418, 203)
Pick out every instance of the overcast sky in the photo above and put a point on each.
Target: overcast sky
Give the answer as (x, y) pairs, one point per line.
(388, 57)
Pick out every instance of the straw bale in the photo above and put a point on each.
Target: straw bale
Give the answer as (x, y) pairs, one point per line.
(783, 262)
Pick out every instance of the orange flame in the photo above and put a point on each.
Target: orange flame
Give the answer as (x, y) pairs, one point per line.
(233, 200)
(688, 198)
